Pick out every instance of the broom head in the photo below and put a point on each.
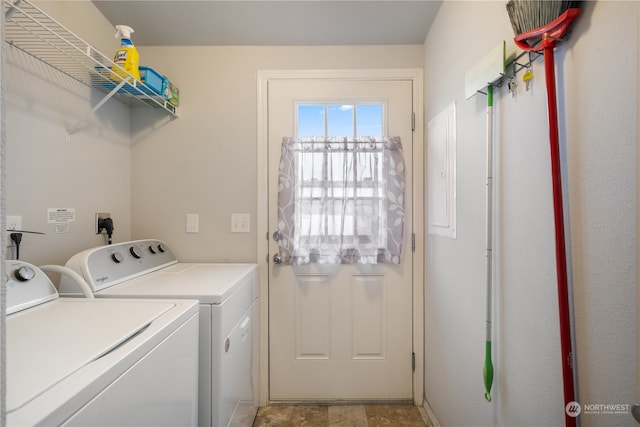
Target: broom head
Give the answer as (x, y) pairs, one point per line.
(541, 23)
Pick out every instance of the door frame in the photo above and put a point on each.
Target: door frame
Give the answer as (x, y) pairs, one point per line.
(416, 76)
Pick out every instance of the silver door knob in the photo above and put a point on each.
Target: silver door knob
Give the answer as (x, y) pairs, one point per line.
(277, 259)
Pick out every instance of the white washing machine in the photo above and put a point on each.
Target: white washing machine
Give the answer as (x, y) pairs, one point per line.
(228, 294)
(88, 362)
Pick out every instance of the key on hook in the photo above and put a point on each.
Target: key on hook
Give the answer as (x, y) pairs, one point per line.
(527, 77)
(512, 85)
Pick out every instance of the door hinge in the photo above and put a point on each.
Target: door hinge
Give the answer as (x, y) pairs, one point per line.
(413, 362)
(413, 122)
(413, 242)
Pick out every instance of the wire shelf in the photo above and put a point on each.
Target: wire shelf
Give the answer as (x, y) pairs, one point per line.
(31, 30)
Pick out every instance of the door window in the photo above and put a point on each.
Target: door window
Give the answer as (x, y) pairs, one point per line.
(339, 120)
(341, 187)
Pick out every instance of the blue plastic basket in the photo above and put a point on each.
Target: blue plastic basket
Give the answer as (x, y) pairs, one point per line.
(155, 81)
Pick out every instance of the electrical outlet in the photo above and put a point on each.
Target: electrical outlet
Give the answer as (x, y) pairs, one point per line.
(14, 222)
(99, 217)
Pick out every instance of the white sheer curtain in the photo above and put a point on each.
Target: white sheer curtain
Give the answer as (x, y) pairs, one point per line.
(341, 201)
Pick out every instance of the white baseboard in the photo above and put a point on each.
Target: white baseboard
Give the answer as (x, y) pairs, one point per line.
(429, 412)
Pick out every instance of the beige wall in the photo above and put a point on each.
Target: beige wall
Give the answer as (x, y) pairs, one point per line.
(205, 161)
(144, 168)
(90, 173)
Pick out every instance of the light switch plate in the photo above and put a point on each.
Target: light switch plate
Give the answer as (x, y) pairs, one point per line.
(192, 223)
(240, 223)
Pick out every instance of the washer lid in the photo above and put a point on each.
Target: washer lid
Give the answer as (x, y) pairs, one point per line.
(208, 283)
(48, 343)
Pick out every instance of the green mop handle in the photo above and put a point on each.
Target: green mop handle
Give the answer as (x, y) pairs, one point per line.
(487, 370)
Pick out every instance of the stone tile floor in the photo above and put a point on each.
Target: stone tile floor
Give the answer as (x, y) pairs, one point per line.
(341, 416)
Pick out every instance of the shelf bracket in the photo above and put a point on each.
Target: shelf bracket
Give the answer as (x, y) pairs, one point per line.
(95, 108)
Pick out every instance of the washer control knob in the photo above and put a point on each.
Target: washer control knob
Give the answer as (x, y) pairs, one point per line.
(135, 252)
(161, 247)
(152, 249)
(25, 273)
(117, 257)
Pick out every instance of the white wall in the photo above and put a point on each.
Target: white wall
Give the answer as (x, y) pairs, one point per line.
(91, 173)
(598, 102)
(205, 161)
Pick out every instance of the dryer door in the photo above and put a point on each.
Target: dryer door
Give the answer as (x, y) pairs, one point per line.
(239, 372)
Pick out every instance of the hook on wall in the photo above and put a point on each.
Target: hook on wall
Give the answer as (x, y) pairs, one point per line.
(502, 64)
(517, 66)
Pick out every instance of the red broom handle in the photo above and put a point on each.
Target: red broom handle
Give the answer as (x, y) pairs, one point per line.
(561, 254)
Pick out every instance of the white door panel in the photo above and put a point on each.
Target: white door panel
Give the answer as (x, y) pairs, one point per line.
(340, 332)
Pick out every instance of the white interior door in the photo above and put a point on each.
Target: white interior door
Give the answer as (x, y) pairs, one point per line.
(339, 332)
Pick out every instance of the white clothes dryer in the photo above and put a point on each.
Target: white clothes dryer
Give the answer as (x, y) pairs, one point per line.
(88, 362)
(227, 293)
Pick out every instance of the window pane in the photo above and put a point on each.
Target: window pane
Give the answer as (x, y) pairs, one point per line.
(311, 120)
(369, 120)
(340, 120)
